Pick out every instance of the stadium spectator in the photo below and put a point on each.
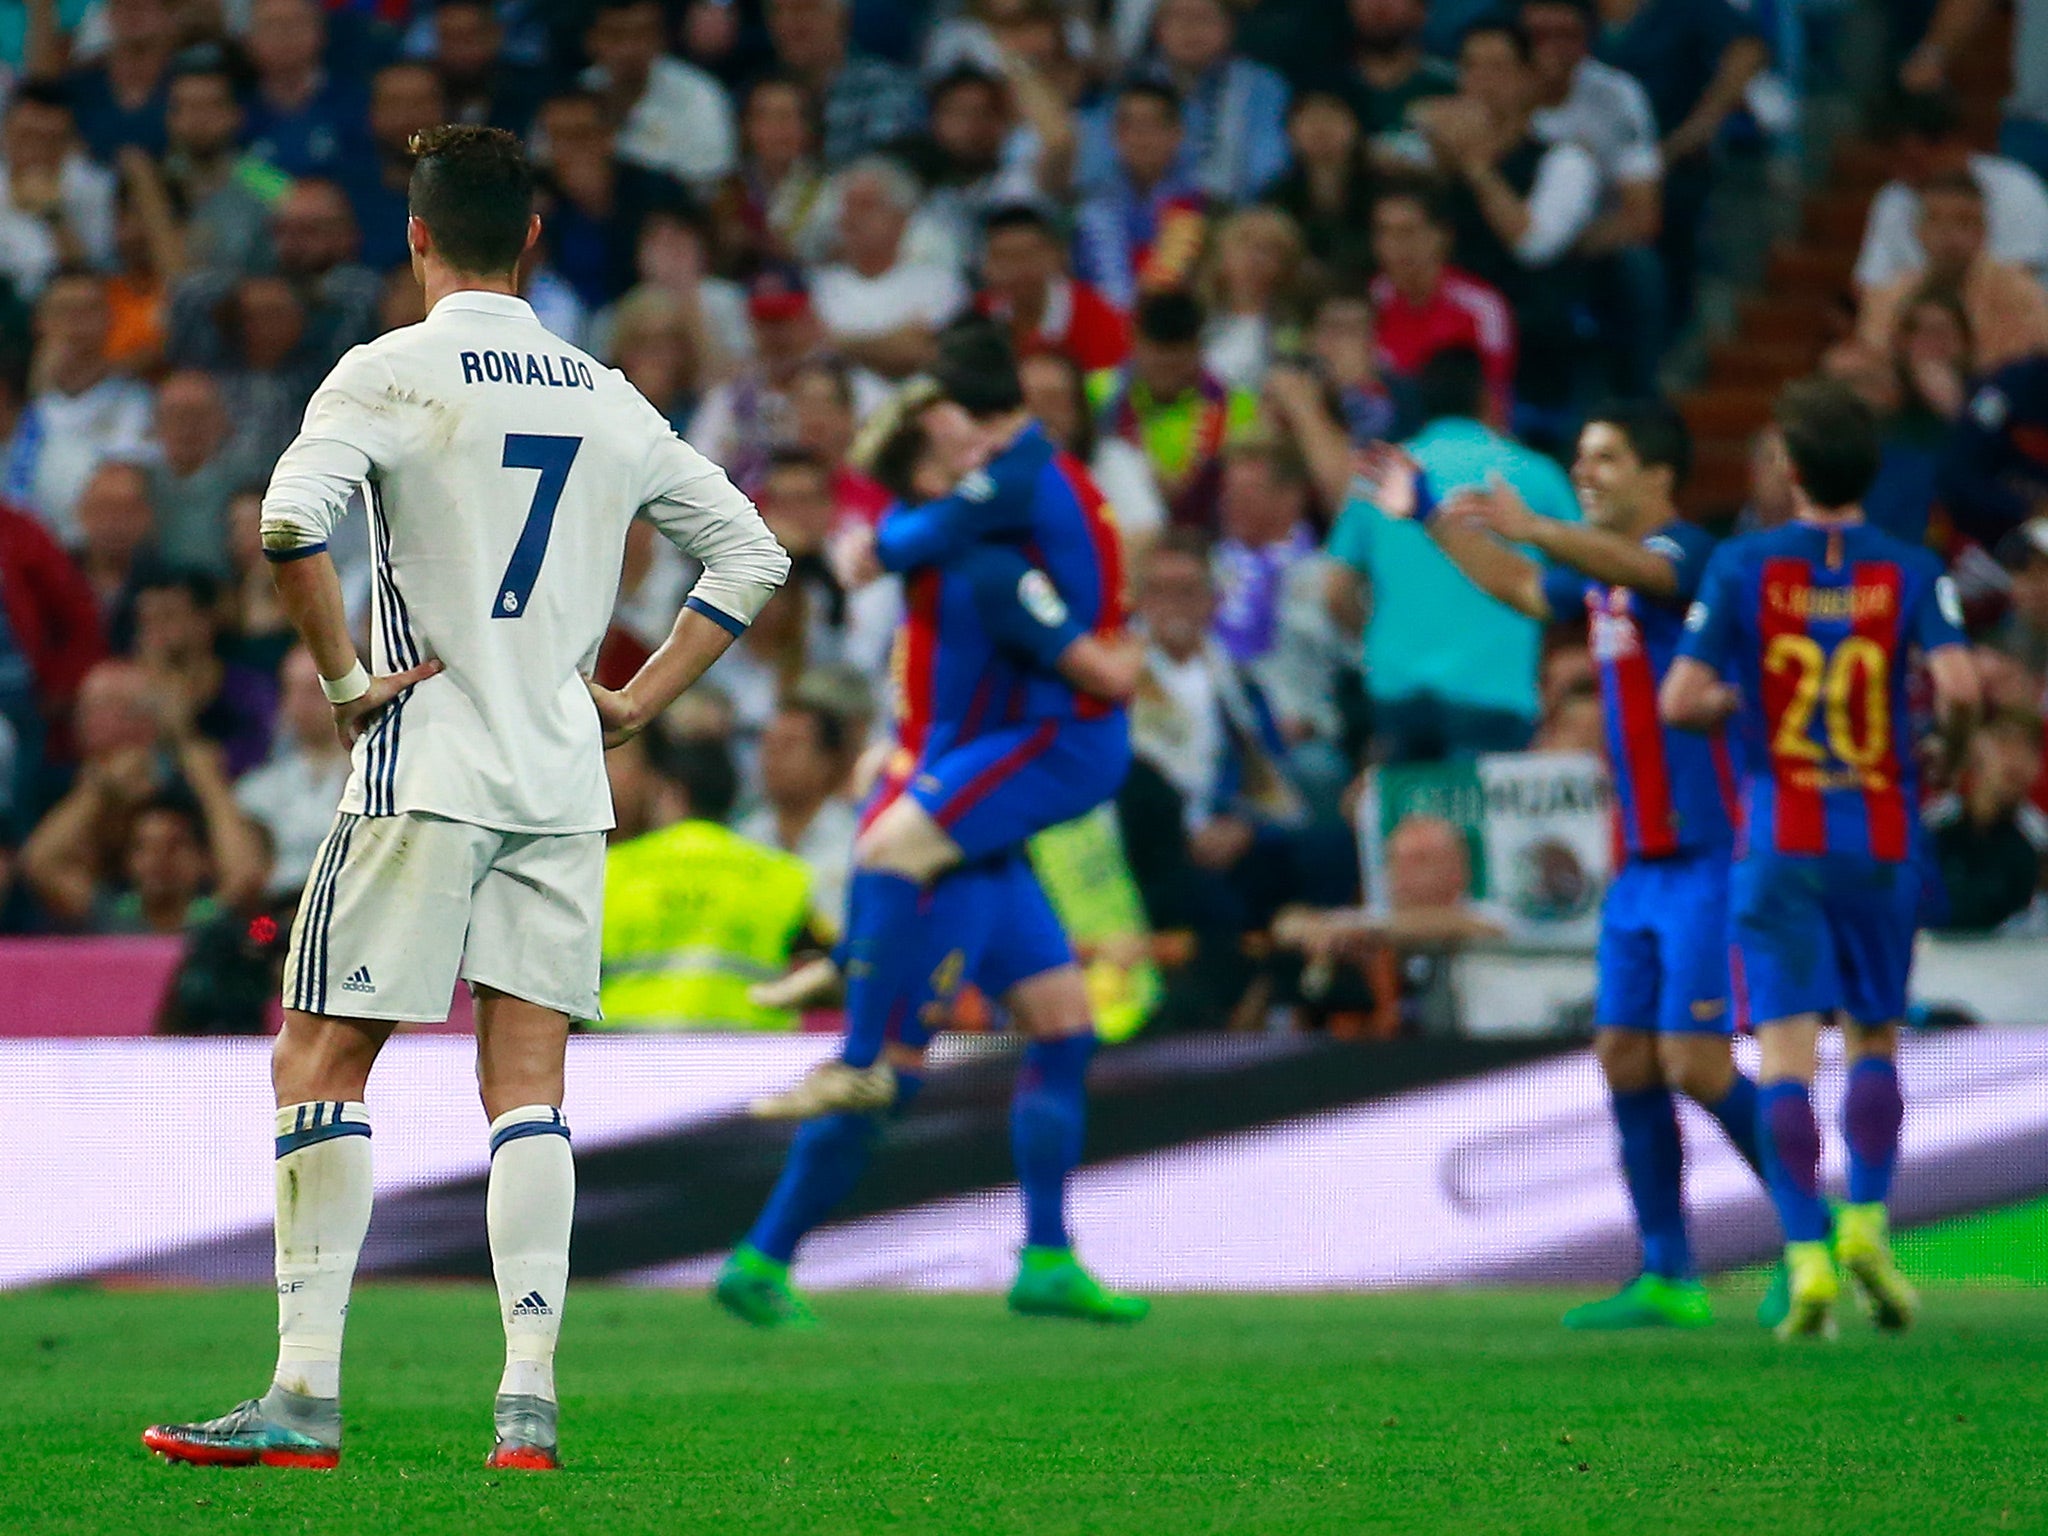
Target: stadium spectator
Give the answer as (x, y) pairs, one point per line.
(1233, 111)
(116, 536)
(968, 160)
(2023, 633)
(1928, 142)
(196, 471)
(674, 259)
(177, 643)
(1451, 673)
(1270, 575)
(1141, 229)
(805, 758)
(1209, 799)
(1170, 406)
(1695, 60)
(1989, 842)
(482, 83)
(49, 620)
(767, 210)
(672, 117)
(85, 862)
(747, 417)
(664, 349)
(1056, 393)
(1992, 477)
(80, 412)
(1423, 306)
(1573, 722)
(599, 202)
(1391, 71)
(880, 308)
(1329, 184)
(824, 416)
(1517, 205)
(303, 118)
(223, 194)
(272, 366)
(694, 913)
(149, 251)
(120, 98)
(865, 102)
(1916, 385)
(1025, 284)
(2005, 306)
(1256, 290)
(1343, 347)
(258, 634)
(56, 202)
(293, 793)
(313, 232)
(404, 98)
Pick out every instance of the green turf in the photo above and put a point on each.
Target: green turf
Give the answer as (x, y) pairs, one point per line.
(2005, 1245)
(1406, 1413)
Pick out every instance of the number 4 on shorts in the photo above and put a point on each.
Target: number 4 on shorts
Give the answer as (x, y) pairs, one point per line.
(552, 456)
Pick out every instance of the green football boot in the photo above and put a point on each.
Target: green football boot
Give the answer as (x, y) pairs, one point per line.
(1052, 1283)
(1863, 1247)
(755, 1289)
(1812, 1287)
(1648, 1301)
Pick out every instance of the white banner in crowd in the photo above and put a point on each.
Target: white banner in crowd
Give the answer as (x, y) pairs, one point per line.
(1536, 825)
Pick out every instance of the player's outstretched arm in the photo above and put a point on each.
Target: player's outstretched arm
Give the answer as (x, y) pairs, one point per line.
(1592, 552)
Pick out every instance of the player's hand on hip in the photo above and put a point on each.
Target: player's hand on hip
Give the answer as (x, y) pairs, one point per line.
(354, 717)
(620, 718)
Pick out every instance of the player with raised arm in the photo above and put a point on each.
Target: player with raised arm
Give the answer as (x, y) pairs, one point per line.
(990, 649)
(501, 469)
(1662, 1019)
(1808, 633)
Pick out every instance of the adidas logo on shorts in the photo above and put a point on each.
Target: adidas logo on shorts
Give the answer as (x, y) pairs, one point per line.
(359, 980)
(532, 1304)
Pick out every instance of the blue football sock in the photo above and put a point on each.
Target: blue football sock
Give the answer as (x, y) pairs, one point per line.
(1047, 1118)
(881, 933)
(1791, 1141)
(1737, 1114)
(1872, 1111)
(826, 1160)
(1652, 1164)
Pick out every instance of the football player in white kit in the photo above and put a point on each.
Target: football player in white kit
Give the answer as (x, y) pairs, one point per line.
(501, 469)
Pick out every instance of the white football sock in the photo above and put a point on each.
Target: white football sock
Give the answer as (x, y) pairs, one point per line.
(323, 1210)
(531, 1201)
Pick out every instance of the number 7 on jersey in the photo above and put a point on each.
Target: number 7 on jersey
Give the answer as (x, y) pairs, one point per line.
(552, 456)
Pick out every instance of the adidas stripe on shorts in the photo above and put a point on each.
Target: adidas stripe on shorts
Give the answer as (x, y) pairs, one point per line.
(399, 907)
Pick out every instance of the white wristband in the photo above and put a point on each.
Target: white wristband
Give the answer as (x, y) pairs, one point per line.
(348, 688)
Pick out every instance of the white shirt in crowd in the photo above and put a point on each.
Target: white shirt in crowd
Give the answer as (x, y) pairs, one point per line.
(681, 125)
(1123, 474)
(1608, 114)
(826, 845)
(294, 797)
(502, 469)
(1561, 203)
(2015, 214)
(909, 293)
(28, 248)
(1184, 741)
(61, 439)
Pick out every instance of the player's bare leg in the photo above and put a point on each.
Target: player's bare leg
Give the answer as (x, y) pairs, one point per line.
(1872, 1111)
(895, 860)
(319, 1068)
(1665, 1294)
(529, 1208)
(1047, 1118)
(1791, 1138)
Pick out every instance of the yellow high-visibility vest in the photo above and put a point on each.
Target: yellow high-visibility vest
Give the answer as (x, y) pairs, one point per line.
(694, 914)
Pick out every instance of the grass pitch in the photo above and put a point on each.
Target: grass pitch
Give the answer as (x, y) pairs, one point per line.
(1468, 1412)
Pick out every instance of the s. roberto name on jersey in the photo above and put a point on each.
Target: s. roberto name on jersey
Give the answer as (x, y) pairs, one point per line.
(526, 368)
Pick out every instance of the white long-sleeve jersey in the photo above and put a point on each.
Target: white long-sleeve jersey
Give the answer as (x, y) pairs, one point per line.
(501, 469)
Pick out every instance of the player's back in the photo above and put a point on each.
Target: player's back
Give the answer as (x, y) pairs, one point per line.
(1827, 617)
(506, 468)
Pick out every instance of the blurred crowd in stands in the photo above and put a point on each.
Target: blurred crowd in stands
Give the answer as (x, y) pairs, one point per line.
(1234, 241)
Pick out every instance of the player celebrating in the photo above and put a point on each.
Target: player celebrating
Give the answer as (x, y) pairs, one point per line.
(1662, 1018)
(501, 469)
(984, 636)
(1807, 632)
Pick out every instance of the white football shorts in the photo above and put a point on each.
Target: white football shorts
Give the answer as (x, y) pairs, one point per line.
(398, 907)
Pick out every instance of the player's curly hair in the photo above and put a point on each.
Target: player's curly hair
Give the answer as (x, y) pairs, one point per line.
(473, 189)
